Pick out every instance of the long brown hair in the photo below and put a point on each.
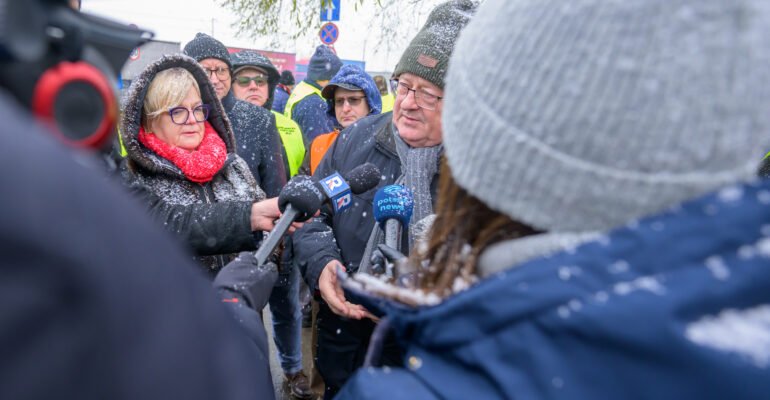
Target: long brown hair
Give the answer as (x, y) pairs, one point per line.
(463, 228)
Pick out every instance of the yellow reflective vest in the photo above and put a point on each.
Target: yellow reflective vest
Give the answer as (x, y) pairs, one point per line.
(302, 90)
(387, 102)
(291, 137)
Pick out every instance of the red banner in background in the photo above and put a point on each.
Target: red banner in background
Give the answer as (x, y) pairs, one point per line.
(282, 61)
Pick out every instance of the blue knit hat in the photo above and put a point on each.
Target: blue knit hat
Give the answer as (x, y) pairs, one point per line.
(352, 77)
(323, 65)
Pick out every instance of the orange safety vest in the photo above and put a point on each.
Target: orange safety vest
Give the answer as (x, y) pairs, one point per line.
(319, 147)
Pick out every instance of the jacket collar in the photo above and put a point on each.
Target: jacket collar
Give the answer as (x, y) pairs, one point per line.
(228, 102)
(384, 140)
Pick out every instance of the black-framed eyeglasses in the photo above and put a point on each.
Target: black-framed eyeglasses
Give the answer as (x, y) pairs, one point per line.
(354, 101)
(221, 72)
(422, 98)
(179, 115)
(245, 81)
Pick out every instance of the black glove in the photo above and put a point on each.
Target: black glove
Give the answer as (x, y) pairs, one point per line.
(243, 280)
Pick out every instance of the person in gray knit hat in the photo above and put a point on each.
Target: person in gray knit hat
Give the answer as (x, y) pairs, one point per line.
(608, 184)
(406, 146)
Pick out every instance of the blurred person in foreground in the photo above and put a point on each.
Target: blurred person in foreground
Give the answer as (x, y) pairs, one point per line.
(102, 303)
(405, 145)
(578, 250)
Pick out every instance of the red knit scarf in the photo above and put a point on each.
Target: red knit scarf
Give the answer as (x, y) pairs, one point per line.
(199, 165)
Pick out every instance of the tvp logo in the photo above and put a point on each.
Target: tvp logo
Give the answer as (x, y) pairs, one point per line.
(338, 191)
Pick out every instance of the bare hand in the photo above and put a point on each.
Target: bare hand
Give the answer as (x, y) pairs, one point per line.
(265, 213)
(332, 293)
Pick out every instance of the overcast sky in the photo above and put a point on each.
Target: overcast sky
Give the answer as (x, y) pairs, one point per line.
(179, 20)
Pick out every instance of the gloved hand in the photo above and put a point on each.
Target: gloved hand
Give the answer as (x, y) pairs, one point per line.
(243, 280)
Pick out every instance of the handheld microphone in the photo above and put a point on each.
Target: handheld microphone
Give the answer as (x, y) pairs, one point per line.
(302, 197)
(360, 179)
(393, 205)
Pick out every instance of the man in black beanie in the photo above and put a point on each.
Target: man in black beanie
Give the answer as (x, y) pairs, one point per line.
(406, 146)
(306, 106)
(283, 91)
(253, 126)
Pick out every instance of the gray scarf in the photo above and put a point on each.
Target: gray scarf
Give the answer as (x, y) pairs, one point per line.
(418, 167)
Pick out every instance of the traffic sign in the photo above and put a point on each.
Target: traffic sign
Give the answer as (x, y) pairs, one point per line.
(329, 33)
(330, 10)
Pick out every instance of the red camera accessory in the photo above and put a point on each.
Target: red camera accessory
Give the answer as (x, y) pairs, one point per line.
(64, 92)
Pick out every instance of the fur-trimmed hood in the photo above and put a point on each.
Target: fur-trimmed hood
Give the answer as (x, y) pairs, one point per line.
(134, 100)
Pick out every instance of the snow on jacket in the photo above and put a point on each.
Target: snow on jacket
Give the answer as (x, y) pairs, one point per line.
(673, 307)
(257, 142)
(165, 183)
(343, 236)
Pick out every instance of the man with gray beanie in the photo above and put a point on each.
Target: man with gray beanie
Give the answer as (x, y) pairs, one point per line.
(253, 126)
(305, 105)
(628, 250)
(405, 145)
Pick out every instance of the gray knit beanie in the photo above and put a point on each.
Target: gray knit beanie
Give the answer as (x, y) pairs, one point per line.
(204, 46)
(428, 54)
(608, 110)
(323, 65)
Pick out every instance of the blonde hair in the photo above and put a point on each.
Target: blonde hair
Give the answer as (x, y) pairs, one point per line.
(168, 89)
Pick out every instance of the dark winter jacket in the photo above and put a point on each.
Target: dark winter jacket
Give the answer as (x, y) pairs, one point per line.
(229, 226)
(310, 114)
(258, 143)
(100, 303)
(370, 140)
(350, 77)
(280, 96)
(672, 307)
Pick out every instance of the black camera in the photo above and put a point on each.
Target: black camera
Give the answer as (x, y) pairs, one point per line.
(63, 66)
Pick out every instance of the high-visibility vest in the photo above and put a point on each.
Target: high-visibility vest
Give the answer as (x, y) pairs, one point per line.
(123, 152)
(321, 144)
(291, 137)
(387, 102)
(302, 90)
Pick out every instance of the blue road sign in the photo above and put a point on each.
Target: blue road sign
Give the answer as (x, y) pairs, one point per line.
(329, 33)
(330, 10)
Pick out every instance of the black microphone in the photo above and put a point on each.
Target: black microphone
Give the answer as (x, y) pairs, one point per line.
(302, 197)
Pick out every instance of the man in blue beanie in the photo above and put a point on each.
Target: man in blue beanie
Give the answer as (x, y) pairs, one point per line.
(350, 96)
(305, 105)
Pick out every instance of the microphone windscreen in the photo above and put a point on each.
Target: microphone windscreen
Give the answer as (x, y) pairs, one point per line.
(304, 196)
(393, 202)
(363, 178)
